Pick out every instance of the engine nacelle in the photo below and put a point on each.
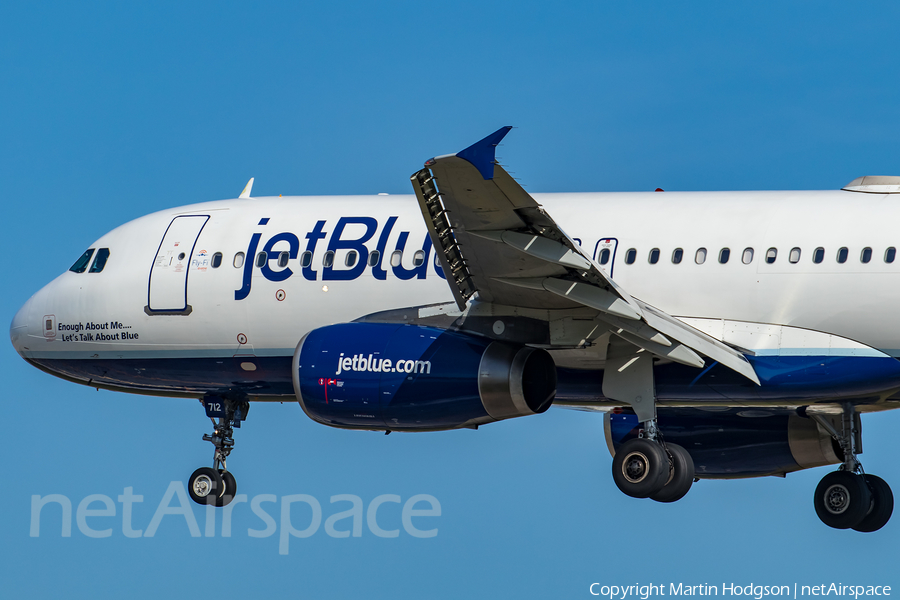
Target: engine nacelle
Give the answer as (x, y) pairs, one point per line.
(393, 377)
(735, 443)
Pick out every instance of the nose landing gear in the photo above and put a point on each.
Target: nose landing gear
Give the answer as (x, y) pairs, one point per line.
(850, 498)
(216, 485)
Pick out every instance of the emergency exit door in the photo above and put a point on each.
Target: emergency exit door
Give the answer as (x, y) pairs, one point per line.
(605, 254)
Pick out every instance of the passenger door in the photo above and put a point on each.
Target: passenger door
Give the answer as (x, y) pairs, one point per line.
(167, 292)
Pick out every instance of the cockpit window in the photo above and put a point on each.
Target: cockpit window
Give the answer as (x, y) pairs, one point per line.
(100, 260)
(81, 264)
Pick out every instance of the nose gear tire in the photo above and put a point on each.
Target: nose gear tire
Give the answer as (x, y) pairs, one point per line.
(205, 485)
(229, 489)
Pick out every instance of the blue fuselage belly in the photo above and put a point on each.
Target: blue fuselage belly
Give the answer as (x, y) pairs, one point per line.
(190, 376)
(783, 378)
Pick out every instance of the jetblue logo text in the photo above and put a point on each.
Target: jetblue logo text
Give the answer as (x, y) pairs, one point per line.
(293, 516)
(371, 364)
(351, 249)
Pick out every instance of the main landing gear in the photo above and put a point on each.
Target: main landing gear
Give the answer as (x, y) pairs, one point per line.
(215, 485)
(849, 498)
(647, 467)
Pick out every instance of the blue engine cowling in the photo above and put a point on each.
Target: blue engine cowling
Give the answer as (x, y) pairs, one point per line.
(404, 377)
(734, 443)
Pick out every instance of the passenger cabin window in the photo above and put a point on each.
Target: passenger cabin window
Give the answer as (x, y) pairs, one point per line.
(700, 256)
(216, 260)
(100, 260)
(81, 264)
(396, 257)
(238, 260)
(677, 255)
(328, 259)
(306, 259)
(747, 256)
(604, 256)
(630, 256)
(283, 259)
(842, 255)
(890, 254)
(771, 255)
(350, 261)
(866, 255)
(654, 256)
(794, 256)
(419, 258)
(374, 255)
(261, 259)
(724, 255)
(818, 255)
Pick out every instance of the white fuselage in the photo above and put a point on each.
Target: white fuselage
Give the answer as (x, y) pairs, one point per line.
(102, 315)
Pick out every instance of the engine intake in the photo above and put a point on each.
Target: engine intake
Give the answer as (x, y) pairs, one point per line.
(392, 377)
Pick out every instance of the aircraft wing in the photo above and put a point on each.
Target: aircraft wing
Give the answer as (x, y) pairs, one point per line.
(493, 238)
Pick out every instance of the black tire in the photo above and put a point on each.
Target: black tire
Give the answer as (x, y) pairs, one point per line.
(229, 489)
(205, 485)
(640, 468)
(682, 477)
(842, 499)
(881, 506)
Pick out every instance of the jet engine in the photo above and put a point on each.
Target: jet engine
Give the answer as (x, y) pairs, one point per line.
(736, 443)
(382, 376)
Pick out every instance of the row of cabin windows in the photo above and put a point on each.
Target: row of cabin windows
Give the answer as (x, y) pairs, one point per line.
(350, 260)
(81, 265)
(818, 255)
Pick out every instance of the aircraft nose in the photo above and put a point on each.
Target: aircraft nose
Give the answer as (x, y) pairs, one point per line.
(18, 329)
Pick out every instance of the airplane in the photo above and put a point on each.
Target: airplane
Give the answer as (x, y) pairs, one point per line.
(721, 334)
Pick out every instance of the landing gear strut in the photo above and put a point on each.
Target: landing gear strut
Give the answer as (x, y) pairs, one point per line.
(849, 498)
(216, 486)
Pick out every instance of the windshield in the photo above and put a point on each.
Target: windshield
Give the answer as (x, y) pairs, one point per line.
(100, 261)
(82, 263)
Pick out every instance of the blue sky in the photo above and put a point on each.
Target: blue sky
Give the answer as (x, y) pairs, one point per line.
(109, 111)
